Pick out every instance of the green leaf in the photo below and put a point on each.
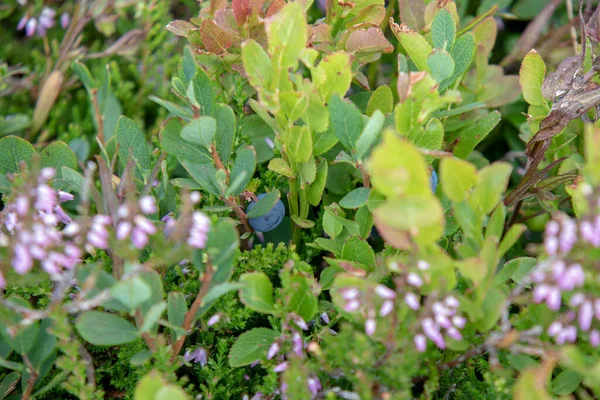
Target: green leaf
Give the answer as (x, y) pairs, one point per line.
(265, 204)
(251, 346)
(531, 77)
(44, 345)
(462, 54)
(510, 238)
(221, 289)
(57, 155)
(176, 308)
(472, 135)
(443, 30)
(440, 64)
(493, 180)
(188, 65)
(356, 198)
(307, 172)
(104, 329)
(131, 140)
(317, 115)
(226, 128)
(172, 142)
(131, 292)
(153, 387)
(9, 383)
(364, 218)
(300, 298)
(287, 33)
(324, 141)
(493, 306)
(315, 191)
(303, 223)
(370, 134)
(565, 383)
(523, 266)
(204, 174)
(458, 178)
(416, 46)
(152, 316)
(222, 245)
(293, 104)
(333, 75)
(382, 100)
(280, 166)
(13, 150)
(257, 294)
(358, 250)
(397, 168)
(203, 92)
(257, 64)
(243, 170)
(457, 111)
(200, 131)
(26, 336)
(346, 121)
(432, 137)
(84, 75)
(298, 143)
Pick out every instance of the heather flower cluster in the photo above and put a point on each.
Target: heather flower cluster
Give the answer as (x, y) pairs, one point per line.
(436, 320)
(134, 225)
(559, 281)
(39, 25)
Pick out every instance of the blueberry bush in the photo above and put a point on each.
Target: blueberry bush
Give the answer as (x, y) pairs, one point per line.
(276, 199)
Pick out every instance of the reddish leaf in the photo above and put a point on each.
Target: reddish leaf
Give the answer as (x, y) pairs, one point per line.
(274, 8)
(367, 44)
(216, 5)
(179, 27)
(241, 10)
(226, 19)
(412, 14)
(216, 39)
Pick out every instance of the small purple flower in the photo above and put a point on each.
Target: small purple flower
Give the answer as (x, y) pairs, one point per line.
(148, 205)
(385, 292)
(432, 331)
(540, 292)
(2, 281)
(214, 320)
(386, 308)
(139, 238)
(281, 367)
(586, 314)
(554, 329)
(273, 350)
(594, 336)
(423, 265)
(198, 356)
(144, 224)
(349, 293)
(370, 326)
(352, 306)
(325, 317)
(314, 385)
(414, 280)
(297, 344)
(412, 301)
(62, 215)
(123, 230)
(420, 343)
(301, 323)
(459, 321)
(553, 300)
(65, 20)
(64, 196)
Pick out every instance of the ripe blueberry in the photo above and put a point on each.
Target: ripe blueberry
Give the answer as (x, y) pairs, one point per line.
(433, 181)
(270, 220)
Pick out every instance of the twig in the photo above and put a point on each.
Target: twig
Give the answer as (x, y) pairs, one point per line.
(191, 314)
(33, 375)
(572, 30)
(98, 113)
(365, 176)
(89, 366)
(217, 160)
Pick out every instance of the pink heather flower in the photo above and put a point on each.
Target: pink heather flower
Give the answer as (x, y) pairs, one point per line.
(386, 308)
(281, 367)
(273, 350)
(412, 301)
(551, 245)
(195, 197)
(65, 20)
(23, 22)
(432, 331)
(123, 230)
(552, 228)
(297, 344)
(144, 224)
(169, 221)
(270, 143)
(148, 205)
(586, 228)
(46, 174)
(558, 269)
(459, 321)
(370, 326)
(420, 343)
(22, 205)
(553, 300)
(198, 356)
(586, 314)
(451, 302)
(325, 317)
(554, 329)
(597, 308)
(540, 292)
(351, 306)
(213, 320)
(139, 238)
(595, 338)
(454, 333)
(22, 261)
(349, 294)
(45, 198)
(384, 292)
(414, 280)
(64, 196)
(62, 215)
(576, 299)
(2, 281)
(314, 385)
(96, 240)
(301, 323)
(422, 265)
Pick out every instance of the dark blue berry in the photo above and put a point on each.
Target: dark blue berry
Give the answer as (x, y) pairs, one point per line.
(433, 181)
(270, 220)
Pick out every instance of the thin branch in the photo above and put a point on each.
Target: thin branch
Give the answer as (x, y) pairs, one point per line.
(99, 116)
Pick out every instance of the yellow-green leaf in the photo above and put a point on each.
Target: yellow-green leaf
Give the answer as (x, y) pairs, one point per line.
(531, 77)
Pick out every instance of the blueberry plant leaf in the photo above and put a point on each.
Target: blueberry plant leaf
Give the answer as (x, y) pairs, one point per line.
(382, 99)
(333, 75)
(462, 55)
(356, 198)
(280, 166)
(57, 155)
(176, 309)
(131, 140)
(474, 133)
(200, 131)
(493, 180)
(440, 64)
(226, 128)
(531, 78)
(415, 45)
(316, 188)
(104, 329)
(243, 170)
(358, 250)
(203, 92)
(257, 293)
(131, 292)
(173, 143)
(324, 141)
(458, 178)
(257, 64)
(13, 150)
(265, 204)
(370, 134)
(251, 346)
(300, 296)
(287, 35)
(346, 121)
(368, 44)
(216, 39)
(204, 174)
(443, 30)
(299, 144)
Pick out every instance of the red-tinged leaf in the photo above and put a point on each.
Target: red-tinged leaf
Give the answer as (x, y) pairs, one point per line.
(367, 44)
(257, 32)
(412, 14)
(241, 10)
(216, 39)
(179, 27)
(274, 8)
(216, 5)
